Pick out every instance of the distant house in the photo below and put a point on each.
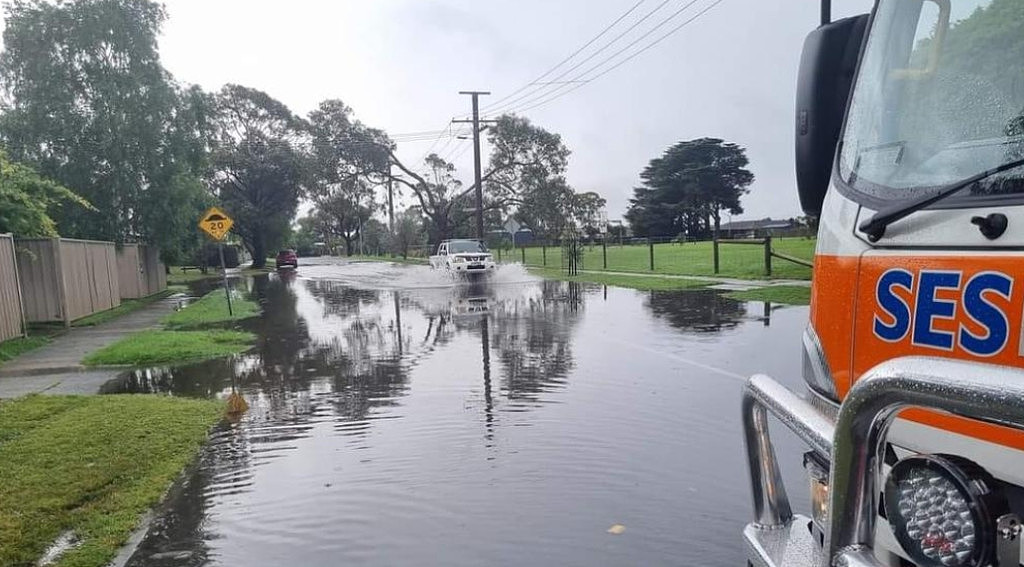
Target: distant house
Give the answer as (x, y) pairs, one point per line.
(759, 228)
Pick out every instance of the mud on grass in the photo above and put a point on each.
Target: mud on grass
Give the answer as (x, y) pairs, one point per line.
(165, 347)
(92, 465)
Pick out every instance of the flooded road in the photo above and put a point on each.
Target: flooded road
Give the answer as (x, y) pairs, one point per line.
(401, 419)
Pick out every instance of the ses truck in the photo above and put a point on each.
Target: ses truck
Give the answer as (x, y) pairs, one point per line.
(910, 151)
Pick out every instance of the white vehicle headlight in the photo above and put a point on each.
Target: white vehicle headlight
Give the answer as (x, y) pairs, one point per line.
(458, 259)
(943, 510)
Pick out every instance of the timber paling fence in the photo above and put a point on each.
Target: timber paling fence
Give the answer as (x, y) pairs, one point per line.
(46, 280)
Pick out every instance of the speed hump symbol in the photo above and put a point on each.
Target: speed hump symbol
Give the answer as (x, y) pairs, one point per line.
(216, 223)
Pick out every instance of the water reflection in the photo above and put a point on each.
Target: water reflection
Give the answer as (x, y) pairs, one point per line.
(381, 412)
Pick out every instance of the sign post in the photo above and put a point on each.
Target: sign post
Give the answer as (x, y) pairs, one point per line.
(217, 224)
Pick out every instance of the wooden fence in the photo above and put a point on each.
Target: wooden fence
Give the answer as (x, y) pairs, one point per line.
(12, 318)
(140, 272)
(64, 279)
(769, 252)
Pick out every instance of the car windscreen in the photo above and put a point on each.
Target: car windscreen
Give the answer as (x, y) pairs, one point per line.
(463, 246)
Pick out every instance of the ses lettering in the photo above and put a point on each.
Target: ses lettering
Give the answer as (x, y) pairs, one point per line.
(913, 312)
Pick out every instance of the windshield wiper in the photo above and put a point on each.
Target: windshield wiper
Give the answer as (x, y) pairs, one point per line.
(875, 226)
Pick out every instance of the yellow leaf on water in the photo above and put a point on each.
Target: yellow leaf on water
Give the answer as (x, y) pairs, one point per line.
(617, 529)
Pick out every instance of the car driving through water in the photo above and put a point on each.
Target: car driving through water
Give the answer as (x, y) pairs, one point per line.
(465, 258)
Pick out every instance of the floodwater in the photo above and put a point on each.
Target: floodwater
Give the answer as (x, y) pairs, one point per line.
(399, 418)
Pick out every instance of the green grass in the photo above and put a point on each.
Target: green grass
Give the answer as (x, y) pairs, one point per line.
(645, 283)
(165, 347)
(126, 307)
(12, 348)
(387, 258)
(692, 259)
(90, 464)
(212, 309)
(789, 294)
(177, 276)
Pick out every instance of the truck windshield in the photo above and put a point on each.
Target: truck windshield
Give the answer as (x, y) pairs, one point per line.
(462, 246)
(939, 97)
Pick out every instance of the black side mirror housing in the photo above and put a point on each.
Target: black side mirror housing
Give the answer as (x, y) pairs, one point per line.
(827, 68)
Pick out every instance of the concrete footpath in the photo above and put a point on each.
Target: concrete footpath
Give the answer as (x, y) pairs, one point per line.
(57, 367)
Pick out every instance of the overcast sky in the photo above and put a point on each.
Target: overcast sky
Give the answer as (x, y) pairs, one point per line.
(400, 64)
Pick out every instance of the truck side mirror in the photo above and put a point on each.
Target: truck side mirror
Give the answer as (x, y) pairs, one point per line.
(827, 68)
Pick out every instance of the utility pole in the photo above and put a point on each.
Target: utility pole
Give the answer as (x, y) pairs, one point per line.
(391, 213)
(391, 204)
(476, 158)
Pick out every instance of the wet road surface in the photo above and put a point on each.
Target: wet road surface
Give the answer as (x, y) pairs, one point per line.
(397, 418)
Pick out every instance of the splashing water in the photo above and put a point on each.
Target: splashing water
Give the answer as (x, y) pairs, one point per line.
(390, 275)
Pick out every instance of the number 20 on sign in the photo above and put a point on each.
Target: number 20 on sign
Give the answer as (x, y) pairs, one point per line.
(216, 223)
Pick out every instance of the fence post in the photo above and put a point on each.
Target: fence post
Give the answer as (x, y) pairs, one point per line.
(768, 256)
(523, 250)
(714, 246)
(499, 254)
(544, 255)
(650, 246)
(604, 252)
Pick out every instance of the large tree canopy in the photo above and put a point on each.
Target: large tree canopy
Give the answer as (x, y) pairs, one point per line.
(89, 105)
(258, 166)
(28, 200)
(686, 189)
(524, 158)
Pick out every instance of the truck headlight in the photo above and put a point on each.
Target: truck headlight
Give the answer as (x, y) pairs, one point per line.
(943, 510)
(817, 477)
(458, 259)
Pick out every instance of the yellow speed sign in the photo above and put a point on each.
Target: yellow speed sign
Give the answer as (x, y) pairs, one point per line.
(216, 223)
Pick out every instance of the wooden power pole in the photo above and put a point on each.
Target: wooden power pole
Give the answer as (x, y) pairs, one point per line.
(476, 158)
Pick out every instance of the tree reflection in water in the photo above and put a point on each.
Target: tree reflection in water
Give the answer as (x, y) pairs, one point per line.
(697, 311)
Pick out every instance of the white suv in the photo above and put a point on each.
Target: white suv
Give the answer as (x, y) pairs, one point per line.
(463, 257)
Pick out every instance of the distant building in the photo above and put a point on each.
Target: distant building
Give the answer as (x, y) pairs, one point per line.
(759, 228)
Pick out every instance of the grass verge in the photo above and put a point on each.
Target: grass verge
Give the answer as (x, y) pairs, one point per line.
(788, 294)
(163, 347)
(126, 307)
(387, 258)
(11, 348)
(179, 276)
(211, 309)
(92, 465)
(645, 283)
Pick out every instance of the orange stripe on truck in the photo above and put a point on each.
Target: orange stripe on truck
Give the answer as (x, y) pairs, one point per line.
(873, 308)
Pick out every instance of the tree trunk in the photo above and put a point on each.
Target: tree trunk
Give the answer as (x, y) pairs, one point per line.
(259, 250)
(348, 245)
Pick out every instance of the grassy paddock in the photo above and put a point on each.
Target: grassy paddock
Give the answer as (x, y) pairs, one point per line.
(126, 307)
(634, 282)
(691, 258)
(212, 309)
(788, 294)
(164, 347)
(92, 465)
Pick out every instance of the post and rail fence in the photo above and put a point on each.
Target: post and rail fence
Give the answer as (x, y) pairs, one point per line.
(729, 257)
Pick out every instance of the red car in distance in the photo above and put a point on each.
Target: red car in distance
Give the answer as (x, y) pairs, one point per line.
(287, 259)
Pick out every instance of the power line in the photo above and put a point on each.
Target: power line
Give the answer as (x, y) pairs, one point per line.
(504, 107)
(532, 101)
(564, 61)
(530, 105)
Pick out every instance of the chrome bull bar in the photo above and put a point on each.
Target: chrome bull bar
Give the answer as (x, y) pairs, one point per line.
(855, 443)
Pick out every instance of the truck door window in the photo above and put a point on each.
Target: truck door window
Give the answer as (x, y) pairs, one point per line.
(939, 97)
